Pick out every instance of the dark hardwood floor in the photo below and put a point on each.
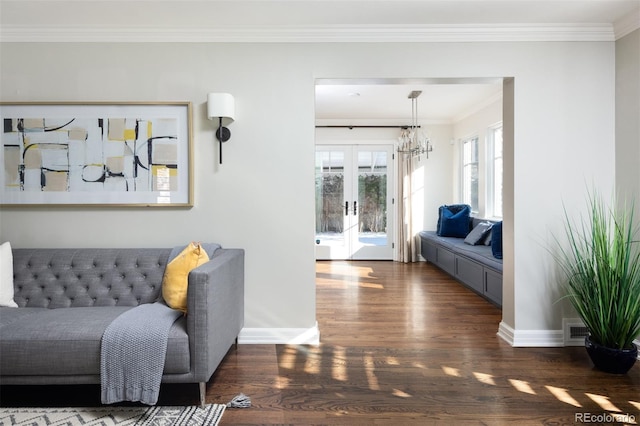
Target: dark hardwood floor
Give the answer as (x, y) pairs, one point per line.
(401, 344)
(405, 344)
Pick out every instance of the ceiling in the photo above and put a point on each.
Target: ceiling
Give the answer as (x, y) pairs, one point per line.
(387, 102)
(311, 12)
(309, 20)
(332, 21)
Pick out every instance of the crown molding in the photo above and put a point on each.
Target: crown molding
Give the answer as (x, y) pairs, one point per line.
(626, 25)
(312, 34)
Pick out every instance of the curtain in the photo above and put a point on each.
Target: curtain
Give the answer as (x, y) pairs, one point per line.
(408, 246)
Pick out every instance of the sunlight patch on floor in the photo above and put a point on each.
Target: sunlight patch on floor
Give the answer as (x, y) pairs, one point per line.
(346, 269)
(450, 371)
(339, 364)
(563, 396)
(401, 394)
(372, 285)
(369, 368)
(603, 402)
(282, 382)
(391, 360)
(522, 386)
(419, 365)
(288, 359)
(333, 284)
(487, 379)
(312, 364)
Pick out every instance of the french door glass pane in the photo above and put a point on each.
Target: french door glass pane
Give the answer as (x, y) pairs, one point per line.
(330, 197)
(372, 198)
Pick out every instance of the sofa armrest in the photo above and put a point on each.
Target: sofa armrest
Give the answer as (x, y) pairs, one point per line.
(215, 310)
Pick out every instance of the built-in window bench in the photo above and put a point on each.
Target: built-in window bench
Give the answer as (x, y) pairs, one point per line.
(474, 266)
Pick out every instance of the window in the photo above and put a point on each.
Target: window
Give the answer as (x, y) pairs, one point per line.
(470, 172)
(495, 171)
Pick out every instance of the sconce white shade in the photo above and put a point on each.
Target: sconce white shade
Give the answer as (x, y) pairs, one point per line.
(221, 105)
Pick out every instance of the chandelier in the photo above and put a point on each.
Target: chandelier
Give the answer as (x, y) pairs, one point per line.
(412, 141)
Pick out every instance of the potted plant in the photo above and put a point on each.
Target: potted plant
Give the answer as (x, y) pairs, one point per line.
(601, 264)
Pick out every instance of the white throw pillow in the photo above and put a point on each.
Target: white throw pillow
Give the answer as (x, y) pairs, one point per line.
(6, 276)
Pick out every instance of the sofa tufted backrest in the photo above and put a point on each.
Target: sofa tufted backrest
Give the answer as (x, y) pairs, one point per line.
(62, 278)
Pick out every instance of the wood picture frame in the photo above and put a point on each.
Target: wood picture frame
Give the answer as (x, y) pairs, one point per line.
(96, 154)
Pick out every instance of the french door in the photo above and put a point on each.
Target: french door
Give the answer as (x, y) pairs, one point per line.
(354, 202)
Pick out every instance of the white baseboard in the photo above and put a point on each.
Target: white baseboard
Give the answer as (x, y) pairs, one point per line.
(505, 333)
(531, 338)
(538, 338)
(275, 336)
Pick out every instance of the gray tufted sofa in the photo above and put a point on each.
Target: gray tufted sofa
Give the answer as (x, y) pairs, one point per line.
(67, 297)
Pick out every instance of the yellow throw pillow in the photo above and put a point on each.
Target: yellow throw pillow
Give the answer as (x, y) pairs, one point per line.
(176, 275)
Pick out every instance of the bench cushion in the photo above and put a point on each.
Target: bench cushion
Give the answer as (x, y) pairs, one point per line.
(479, 253)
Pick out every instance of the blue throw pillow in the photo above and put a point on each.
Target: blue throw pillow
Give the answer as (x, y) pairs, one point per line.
(496, 240)
(453, 208)
(454, 224)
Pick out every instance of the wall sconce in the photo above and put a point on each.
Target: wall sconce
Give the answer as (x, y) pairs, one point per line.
(221, 106)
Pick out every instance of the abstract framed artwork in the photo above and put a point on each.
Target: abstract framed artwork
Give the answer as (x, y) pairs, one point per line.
(96, 153)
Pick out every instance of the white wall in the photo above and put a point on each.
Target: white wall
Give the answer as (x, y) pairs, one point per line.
(563, 144)
(262, 197)
(628, 115)
(628, 119)
(438, 185)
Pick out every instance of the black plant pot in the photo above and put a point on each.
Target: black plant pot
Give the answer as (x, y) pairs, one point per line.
(609, 360)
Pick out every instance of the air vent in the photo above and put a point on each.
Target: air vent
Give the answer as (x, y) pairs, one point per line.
(574, 332)
(578, 332)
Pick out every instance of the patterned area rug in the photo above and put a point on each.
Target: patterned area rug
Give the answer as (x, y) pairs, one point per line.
(210, 415)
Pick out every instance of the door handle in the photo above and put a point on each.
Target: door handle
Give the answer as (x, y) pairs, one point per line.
(355, 208)
(346, 208)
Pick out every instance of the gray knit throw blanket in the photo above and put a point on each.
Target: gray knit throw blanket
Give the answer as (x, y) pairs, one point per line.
(133, 351)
